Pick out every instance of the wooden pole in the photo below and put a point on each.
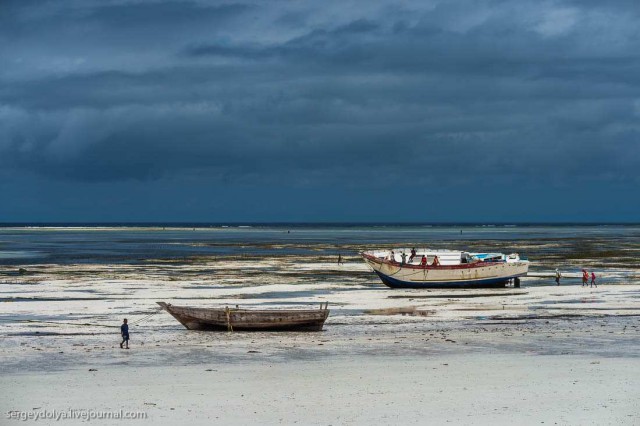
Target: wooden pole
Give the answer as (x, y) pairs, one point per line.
(226, 311)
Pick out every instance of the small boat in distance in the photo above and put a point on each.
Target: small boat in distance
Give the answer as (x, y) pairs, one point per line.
(445, 268)
(230, 319)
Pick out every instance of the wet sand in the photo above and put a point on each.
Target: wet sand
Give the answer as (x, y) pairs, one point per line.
(539, 353)
(567, 355)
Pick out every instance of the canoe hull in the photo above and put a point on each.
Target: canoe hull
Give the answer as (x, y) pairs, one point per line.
(222, 319)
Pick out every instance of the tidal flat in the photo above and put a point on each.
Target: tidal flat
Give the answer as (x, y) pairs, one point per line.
(539, 353)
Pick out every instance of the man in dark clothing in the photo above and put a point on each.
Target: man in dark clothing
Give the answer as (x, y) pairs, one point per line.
(124, 330)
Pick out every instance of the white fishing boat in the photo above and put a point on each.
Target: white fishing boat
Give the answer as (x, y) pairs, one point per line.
(445, 268)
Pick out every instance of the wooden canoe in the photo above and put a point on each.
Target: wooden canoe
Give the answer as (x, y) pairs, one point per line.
(230, 319)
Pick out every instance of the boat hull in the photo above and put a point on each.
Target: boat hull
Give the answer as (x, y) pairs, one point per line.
(477, 275)
(230, 319)
(481, 283)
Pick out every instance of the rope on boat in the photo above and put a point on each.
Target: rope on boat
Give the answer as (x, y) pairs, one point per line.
(85, 324)
(399, 269)
(145, 318)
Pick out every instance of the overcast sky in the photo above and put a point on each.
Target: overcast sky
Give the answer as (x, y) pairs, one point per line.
(269, 111)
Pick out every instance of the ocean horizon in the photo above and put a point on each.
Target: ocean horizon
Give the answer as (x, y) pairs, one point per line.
(284, 224)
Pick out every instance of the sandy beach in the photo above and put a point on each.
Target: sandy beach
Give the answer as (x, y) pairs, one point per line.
(460, 388)
(539, 354)
(384, 369)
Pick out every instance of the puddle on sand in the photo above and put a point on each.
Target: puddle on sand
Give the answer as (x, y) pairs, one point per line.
(48, 299)
(456, 295)
(570, 301)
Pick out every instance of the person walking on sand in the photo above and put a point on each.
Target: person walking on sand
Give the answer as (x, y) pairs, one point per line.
(593, 279)
(558, 276)
(585, 277)
(124, 330)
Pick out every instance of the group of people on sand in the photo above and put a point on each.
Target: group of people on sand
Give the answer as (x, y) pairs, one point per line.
(585, 278)
(423, 261)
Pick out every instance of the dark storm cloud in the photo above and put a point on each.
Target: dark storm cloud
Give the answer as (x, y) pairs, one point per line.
(291, 93)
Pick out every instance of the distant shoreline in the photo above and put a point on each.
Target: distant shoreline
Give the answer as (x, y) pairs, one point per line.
(301, 225)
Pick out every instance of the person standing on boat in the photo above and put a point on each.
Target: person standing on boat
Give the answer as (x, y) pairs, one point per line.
(423, 262)
(124, 330)
(436, 262)
(404, 258)
(593, 279)
(392, 256)
(558, 276)
(413, 254)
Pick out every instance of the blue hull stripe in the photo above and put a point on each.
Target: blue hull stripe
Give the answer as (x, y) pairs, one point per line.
(487, 282)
